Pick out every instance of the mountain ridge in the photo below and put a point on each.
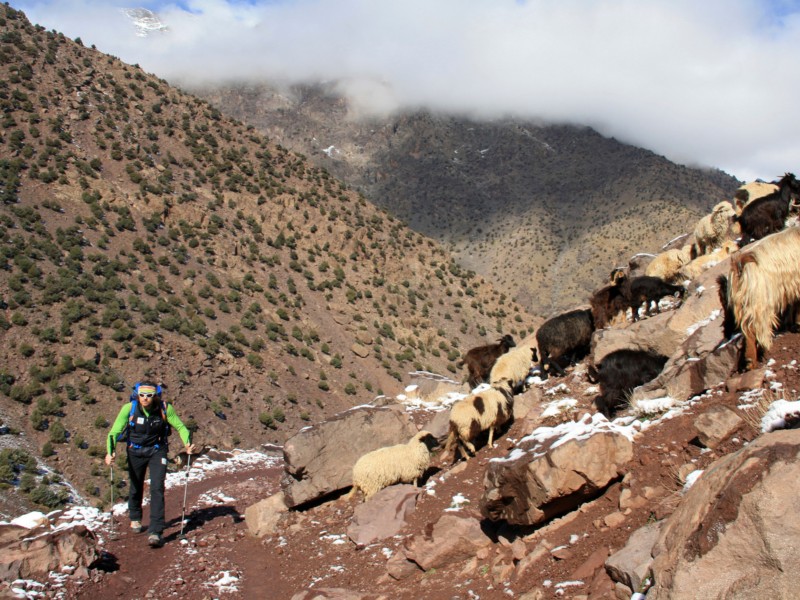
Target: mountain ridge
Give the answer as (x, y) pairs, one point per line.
(577, 202)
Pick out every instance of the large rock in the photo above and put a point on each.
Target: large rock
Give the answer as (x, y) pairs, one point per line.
(34, 553)
(734, 535)
(262, 517)
(543, 477)
(319, 459)
(451, 539)
(383, 515)
(631, 565)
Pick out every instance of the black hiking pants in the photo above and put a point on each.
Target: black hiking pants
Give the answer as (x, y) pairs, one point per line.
(139, 460)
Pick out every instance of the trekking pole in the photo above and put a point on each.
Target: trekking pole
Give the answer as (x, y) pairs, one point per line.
(185, 488)
(113, 534)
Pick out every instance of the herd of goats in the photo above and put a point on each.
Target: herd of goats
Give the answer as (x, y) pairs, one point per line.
(761, 292)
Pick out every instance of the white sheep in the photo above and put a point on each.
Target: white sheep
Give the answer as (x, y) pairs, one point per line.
(668, 264)
(478, 412)
(514, 366)
(695, 268)
(401, 463)
(712, 229)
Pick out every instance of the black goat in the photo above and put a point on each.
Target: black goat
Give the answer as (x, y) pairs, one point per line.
(647, 289)
(619, 373)
(768, 214)
(480, 360)
(567, 335)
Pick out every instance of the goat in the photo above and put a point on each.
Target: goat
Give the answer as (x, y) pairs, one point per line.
(763, 283)
(608, 302)
(566, 335)
(750, 192)
(768, 214)
(647, 289)
(619, 373)
(480, 360)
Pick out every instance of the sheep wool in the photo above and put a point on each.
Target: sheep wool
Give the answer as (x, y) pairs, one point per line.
(401, 463)
(668, 264)
(485, 410)
(513, 366)
(711, 230)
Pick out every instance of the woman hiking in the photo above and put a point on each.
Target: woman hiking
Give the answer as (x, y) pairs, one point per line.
(146, 422)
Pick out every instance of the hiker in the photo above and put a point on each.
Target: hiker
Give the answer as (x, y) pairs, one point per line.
(144, 423)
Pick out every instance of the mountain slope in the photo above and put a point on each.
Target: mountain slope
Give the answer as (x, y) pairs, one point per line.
(144, 234)
(573, 203)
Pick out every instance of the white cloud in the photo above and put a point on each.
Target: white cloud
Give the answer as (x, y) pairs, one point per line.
(709, 83)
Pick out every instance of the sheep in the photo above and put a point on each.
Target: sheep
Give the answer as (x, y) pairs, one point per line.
(668, 264)
(751, 191)
(700, 264)
(480, 360)
(763, 282)
(566, 335)
(513, 367)
(768, 214)
(488, 409)
(712, 229)
(619, 373)
(401, 463)
(606, 303)
(647, 289)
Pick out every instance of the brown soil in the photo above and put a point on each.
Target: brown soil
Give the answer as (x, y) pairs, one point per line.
(313, 552)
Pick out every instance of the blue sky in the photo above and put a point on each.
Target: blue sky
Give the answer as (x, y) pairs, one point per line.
(706, 83)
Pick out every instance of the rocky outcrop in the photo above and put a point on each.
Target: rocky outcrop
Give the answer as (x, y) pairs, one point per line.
(34, 553)
(319, 459)
(735, 533)
(545, 476)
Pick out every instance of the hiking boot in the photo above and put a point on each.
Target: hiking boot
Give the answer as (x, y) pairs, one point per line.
(154, 539)
(136, 527)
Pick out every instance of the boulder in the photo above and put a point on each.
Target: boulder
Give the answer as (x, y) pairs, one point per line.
(631, 565)
(717, 425)
(451, 539)
(544, 476)
(735, 533)
(262, 517)
(34, 553)
(319, 459)
(383, 515)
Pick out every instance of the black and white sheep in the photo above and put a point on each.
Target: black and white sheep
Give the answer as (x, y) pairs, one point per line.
(480, 360)
(649, 290)
(619, 373)
(513, 367)
(565, 336)
(768, 214)
(401, 463)
(712, 229)
(486, 410)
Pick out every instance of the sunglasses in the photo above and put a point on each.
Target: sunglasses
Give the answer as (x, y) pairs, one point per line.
(147, 395)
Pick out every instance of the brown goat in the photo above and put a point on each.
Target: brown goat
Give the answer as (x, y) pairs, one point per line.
(480, 360)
